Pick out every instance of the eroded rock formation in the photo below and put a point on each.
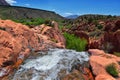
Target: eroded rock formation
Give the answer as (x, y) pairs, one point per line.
(17, 41)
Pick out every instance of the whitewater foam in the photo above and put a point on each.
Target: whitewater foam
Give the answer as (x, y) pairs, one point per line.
(49, 67)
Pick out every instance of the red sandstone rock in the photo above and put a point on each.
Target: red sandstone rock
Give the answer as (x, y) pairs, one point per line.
(96, 52)
(88, 75)
(50, 35)
(17, 40)
(82, 34)
(111, 41)
(9, 48)
(117, 26)
(94, 44)
(104, 77)
(116, 41)
(99, 60)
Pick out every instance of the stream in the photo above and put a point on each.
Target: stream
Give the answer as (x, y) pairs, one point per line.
(51, 65)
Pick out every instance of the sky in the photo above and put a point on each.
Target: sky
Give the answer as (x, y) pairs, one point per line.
(72, 7)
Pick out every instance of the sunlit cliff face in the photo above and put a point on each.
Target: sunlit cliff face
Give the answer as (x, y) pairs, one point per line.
(53, 66)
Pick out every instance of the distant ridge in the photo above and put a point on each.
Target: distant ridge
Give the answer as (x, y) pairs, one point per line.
(96, 16)
(16, 12)
(72, 17)
(3, 2)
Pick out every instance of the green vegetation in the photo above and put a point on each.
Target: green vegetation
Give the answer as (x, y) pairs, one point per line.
(2, 28)
(37, 21)
(99, 26)
(91, 17)
(16, 12)
(117, 54)
(111, 69)
(72, 42)
(30, 22)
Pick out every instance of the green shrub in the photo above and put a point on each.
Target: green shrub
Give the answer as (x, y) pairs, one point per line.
(117, 54)
(1, 28)
(111, 69)
(33, 21)
(73, 42)
(99, 26)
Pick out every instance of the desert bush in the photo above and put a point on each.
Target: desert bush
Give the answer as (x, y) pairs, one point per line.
(111, 69)
(99, 26)
(75, 43)
(1, 28)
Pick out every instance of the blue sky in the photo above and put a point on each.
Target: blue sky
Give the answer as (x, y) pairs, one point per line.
(71, 7)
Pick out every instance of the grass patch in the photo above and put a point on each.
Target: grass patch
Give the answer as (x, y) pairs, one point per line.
(75, 43)
(111, 69)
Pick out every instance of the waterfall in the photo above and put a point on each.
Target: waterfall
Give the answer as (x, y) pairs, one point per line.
(52, 66)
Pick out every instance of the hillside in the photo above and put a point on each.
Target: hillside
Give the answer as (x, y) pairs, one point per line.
(99, 30)
(91, 17)
(15, 12)
(3, 2)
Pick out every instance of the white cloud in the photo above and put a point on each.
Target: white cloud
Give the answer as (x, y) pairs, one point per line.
(68, 13)
(53, 10)
(11, 2)
(27, 4)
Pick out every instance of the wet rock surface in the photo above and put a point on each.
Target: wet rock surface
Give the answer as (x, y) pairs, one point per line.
(56, 65)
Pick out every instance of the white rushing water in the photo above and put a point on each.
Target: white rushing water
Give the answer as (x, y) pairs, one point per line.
(52, 66)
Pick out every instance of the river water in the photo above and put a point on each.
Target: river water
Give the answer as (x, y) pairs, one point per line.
(50, 65)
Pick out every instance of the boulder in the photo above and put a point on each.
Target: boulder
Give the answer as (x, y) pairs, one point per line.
(96, 52)
(50, 35)
(104, 77)
(99, 60)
